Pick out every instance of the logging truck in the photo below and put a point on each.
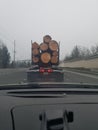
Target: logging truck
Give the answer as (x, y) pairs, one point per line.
(45, 61)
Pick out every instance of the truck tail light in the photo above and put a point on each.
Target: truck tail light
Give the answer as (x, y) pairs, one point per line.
(41, 70)
(49, 70)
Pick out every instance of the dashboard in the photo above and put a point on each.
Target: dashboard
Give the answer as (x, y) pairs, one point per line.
(49, 109)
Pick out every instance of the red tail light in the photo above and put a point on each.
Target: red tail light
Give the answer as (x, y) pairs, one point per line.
(49, 70)
(41, 70)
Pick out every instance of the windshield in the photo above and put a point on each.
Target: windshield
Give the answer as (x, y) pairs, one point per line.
(48, 41)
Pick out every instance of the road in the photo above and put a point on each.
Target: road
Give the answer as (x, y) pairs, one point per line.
(77, 77)
(13, 76)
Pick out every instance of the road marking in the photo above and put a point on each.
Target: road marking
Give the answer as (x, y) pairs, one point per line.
(81, 74)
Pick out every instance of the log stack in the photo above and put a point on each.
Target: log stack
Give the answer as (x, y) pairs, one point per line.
(47, 53)
(35, 53)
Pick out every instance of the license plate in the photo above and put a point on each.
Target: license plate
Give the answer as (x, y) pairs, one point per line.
(45, 73)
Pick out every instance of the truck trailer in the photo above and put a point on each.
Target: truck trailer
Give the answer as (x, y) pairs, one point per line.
(45, 62)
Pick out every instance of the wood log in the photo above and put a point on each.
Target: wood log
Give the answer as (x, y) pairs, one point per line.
(55, 53)
(54, 59)
(47, 39)
(43, 47)
(35, 45)
(35, 59)
(35, 51)
(53, 45)
(45, 57)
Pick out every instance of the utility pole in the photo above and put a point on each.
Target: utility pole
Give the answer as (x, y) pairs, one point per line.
(14, 51)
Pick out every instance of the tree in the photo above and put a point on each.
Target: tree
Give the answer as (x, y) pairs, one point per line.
(76, 52)
(94, 50)
(4, 56)
(85, 52)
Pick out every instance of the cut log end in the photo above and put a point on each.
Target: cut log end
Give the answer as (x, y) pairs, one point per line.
(55, 53)
(43, 46)
(47, 39)
(45, 57)
(35, 59)
(53, 45)
(35, 51)
(35, 45)
(54, 59)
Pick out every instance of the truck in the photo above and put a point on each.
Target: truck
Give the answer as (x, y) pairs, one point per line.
(45, 62)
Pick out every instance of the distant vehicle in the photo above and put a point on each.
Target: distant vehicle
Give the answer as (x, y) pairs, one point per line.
(45, 61)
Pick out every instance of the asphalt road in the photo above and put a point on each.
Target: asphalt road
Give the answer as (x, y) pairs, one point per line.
(13, 76)
(77, 77)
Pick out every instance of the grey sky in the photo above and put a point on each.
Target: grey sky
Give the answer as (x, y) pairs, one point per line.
(69, 21)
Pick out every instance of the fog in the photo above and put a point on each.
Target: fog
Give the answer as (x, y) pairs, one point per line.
(69, 21)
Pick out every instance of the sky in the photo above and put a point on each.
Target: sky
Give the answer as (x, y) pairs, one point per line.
(70, 22)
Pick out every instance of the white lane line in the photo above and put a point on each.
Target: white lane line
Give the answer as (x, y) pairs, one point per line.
(81, 74)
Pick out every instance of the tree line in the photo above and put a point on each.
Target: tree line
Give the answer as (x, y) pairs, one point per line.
(5, 58)
(79, 52)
